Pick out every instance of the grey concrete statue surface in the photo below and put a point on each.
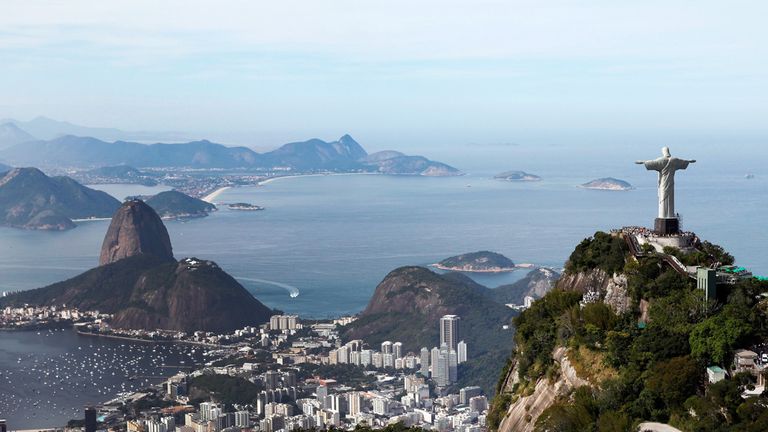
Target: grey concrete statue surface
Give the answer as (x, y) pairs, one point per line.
(666, 165)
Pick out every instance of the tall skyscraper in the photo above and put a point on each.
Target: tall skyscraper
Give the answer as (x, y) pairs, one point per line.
(441, 373)
(424, 362)
(453, 366)
(434, 356)
(449, 331)
(462, 351)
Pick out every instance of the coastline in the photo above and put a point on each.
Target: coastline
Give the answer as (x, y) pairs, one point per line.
(498, 270)
(464, 270)
(82, 333)
(212, 196)
(603, 188)
(275, 178)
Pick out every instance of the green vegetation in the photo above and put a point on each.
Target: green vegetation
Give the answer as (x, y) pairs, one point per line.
(478, 261)
(602, 251)
(170, 204)
(706, 255)
(224, 389)
(654, 372)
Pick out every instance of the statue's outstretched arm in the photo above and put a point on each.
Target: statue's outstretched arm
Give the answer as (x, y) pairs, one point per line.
(641, 162)
(692, 161)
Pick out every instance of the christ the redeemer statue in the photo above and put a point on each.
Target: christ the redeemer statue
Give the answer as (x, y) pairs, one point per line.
(666, 165)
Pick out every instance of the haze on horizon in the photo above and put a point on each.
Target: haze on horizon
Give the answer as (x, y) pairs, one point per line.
(427, 75)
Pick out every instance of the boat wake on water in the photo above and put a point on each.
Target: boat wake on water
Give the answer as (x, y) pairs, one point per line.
(292, 290)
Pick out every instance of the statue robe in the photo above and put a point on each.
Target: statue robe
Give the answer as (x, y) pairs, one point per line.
(666, 166)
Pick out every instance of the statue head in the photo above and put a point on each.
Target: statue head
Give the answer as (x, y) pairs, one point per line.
(665, 152)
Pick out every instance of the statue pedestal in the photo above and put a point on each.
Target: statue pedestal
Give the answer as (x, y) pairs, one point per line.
(666, 226)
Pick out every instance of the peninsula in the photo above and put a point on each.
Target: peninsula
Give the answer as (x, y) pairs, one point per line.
(30, 199)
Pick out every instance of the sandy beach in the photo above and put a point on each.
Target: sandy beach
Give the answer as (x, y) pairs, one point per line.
(271, 179)
(212, 196)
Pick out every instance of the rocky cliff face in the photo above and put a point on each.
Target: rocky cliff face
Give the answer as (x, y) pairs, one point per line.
(135, 229)
(522, 413)
(535, 284)
(190, 295)
(611, 289)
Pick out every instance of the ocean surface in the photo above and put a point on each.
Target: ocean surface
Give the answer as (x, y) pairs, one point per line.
(324, 242)
(47, 377)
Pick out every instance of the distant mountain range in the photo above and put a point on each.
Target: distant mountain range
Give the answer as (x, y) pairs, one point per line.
(72, 150)
(46, 128)
(11, 135)
(30, 199)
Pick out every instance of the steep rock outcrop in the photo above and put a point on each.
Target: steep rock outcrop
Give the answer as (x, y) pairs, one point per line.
(583, 282)
(611, 289)
(145, 288)
(522, 414)
(535, 284)
(190, 295)
(135, 229)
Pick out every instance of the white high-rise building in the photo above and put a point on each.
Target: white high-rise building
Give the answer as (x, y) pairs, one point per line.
(442, 376)
(389, 360)
(366, 357)
(355, 403)
(354, 358)
(242, 419)
(449, 331)
(381, 406)
(424, 357)
(462, 351)
(343, 355)
(453, 366)
(377, 359)
(397, 349)
(434, 357)
(386, 347)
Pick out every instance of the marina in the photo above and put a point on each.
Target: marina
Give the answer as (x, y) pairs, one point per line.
(48, 376)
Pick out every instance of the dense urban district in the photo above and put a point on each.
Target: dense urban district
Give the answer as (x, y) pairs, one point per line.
(284, 375)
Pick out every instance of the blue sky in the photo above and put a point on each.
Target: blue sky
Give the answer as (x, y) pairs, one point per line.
(423, 73)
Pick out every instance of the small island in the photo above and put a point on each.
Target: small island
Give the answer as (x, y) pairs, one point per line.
(608, 183)
(176, 205)
(244, 206)
(477, 262)
(517, 176)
